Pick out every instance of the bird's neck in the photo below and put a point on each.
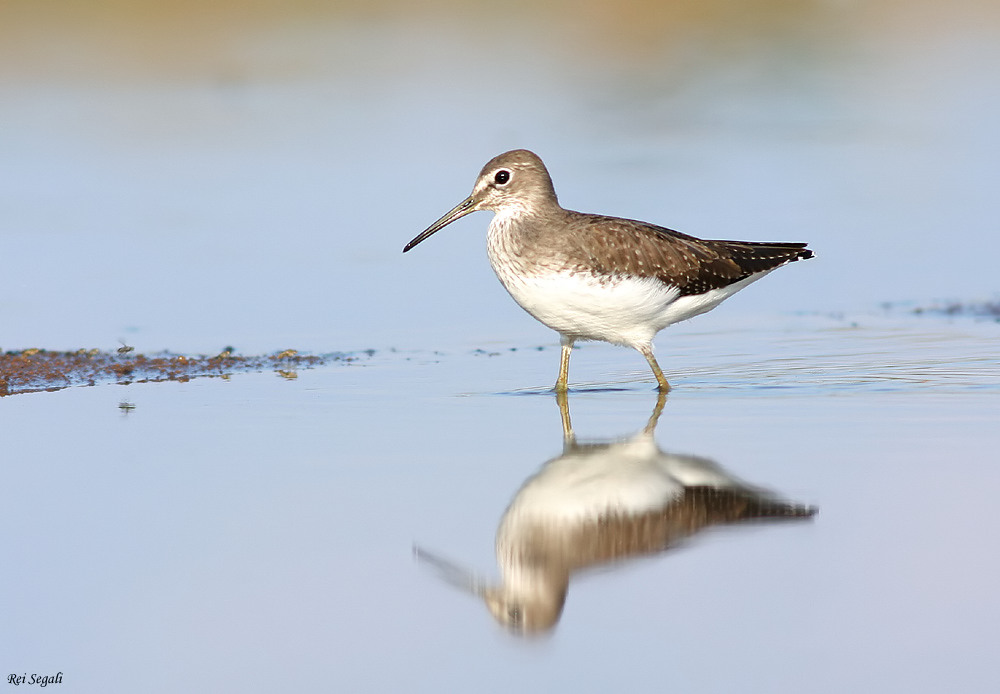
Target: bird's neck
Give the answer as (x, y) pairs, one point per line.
(513, 220)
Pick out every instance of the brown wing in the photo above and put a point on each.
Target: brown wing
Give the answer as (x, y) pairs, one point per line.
(613, 246)
(615, 537)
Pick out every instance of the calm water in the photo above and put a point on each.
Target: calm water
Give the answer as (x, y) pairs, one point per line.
(189, 179)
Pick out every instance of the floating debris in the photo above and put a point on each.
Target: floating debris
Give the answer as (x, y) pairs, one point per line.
(989, 310)
(983, 309)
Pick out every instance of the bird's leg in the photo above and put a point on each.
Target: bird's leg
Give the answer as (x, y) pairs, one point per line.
(647, 351)
(569, 438)
(567, 347)
(661, 400)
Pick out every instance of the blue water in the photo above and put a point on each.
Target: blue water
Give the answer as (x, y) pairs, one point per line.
(187, 179)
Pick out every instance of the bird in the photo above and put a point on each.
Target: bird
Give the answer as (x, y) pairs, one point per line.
(597, 277)
(597, 506)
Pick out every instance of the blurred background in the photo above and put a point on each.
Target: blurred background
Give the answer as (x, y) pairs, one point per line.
(190, 175)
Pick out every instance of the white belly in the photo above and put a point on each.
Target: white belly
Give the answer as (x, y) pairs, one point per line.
(625, 478)
(626, 311)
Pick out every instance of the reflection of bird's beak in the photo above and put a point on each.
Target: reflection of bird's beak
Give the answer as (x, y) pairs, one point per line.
(452, 573)
(459, 211)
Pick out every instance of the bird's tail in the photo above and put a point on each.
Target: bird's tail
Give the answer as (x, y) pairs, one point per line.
(761, 256)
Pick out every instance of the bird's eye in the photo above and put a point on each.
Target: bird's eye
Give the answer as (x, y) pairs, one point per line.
(514, 614)
(501, 177)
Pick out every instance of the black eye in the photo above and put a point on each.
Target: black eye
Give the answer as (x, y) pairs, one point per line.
(502, 176)
(514, 614)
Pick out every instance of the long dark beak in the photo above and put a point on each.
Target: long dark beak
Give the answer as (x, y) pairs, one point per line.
(452, 573)
(459, 211)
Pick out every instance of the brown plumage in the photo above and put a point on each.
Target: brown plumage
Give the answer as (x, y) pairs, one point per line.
(617, 537)
(585, 276)
(612, 246)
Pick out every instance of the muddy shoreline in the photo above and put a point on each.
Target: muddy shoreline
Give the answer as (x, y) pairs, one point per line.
(34, 370)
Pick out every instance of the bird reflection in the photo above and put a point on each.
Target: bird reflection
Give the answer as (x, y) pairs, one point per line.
(599, 504)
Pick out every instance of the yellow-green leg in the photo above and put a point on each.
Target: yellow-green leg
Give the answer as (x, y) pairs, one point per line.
(562, 382)
(562, 399)
(661, 400)
(647, 351)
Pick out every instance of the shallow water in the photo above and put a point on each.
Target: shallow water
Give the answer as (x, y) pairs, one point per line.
(257, 533)
(185, 178)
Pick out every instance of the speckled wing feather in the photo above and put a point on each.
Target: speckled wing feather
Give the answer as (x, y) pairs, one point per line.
(614, 246)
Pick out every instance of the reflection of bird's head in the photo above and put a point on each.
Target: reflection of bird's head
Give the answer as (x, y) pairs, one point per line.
(529, 601)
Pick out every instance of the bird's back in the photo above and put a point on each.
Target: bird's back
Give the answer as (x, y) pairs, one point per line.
(618, 247)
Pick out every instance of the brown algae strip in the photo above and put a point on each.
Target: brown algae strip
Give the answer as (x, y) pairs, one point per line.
(34, 370)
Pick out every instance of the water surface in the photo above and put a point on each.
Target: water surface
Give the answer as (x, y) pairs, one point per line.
(189, 178)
